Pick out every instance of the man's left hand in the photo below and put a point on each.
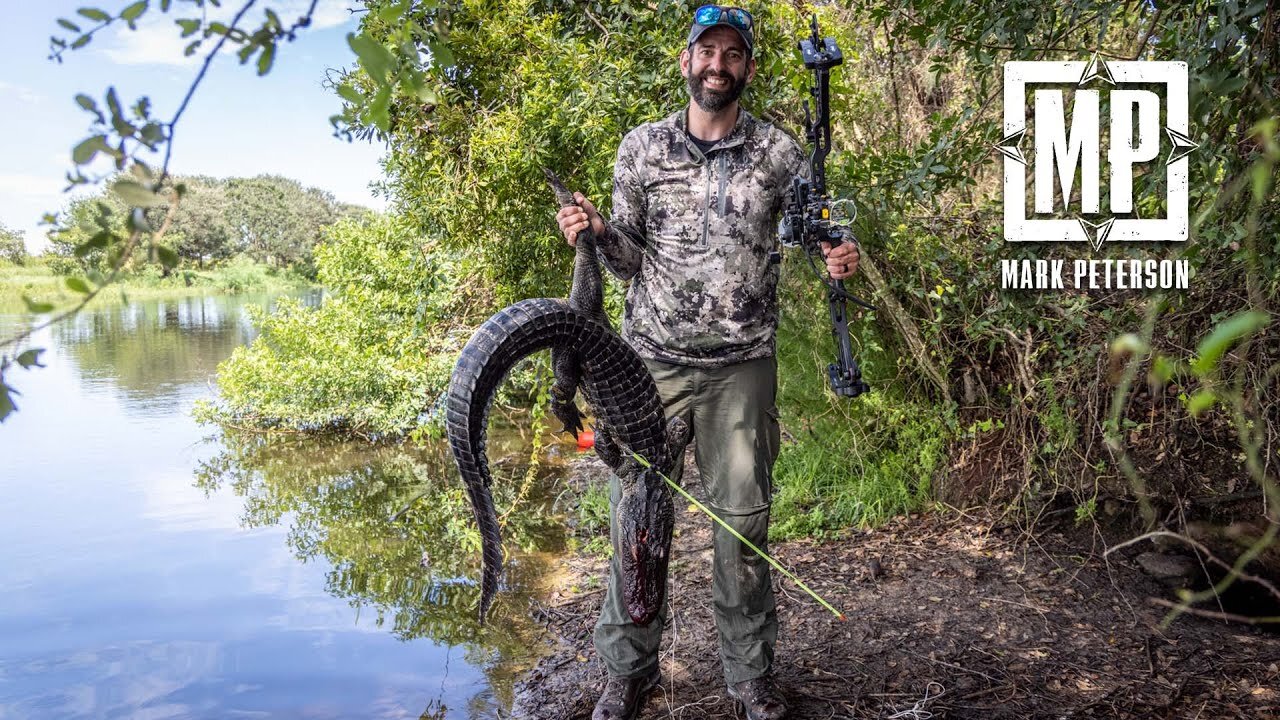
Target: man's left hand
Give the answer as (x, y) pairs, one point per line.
(842, 261)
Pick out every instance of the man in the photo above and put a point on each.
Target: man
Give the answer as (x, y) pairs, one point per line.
(696, 200)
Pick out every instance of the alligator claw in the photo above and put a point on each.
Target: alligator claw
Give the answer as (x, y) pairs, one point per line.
(569, 416)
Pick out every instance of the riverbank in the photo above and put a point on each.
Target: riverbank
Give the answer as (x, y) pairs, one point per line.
(40, 283)
(952, 613)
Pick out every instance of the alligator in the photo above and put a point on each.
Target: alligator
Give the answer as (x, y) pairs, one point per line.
(630, 421)
(586, 295)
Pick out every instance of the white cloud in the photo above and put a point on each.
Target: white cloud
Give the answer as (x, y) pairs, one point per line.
(153, 43)
(21, 93)
(24, 198)
(158, 41)
(30, 185)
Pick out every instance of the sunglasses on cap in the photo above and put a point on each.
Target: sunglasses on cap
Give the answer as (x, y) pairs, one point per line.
(712, 14)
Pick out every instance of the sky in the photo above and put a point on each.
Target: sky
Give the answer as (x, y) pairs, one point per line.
(237, 124)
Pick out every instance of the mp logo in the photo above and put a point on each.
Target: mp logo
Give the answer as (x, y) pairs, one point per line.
(1134, 139)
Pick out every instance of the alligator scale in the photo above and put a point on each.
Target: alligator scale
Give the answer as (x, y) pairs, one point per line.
(587, 355)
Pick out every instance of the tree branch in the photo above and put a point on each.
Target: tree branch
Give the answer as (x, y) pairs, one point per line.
(1229, 617)
(191, 91)
(1201, 548)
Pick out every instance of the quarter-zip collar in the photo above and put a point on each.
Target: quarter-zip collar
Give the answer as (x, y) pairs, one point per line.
(738, 135)
(742, 127)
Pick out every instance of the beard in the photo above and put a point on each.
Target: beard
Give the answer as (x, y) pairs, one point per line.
(715, 100)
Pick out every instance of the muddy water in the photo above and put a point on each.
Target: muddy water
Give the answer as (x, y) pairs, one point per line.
(157, 568)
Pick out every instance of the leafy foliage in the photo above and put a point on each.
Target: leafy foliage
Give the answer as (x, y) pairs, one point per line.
(125, 136)
(12, 246)
(373, 357)
(472, 96)
(1037, 361)
(276, 220)
(273, 220)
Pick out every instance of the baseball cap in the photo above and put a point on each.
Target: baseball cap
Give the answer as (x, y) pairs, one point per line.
(709, 16)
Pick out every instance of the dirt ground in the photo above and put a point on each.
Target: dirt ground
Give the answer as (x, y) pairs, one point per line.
(950, 615)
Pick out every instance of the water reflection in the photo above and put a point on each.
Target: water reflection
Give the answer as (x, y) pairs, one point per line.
(395, 529)
(274, 584)
(150, 348)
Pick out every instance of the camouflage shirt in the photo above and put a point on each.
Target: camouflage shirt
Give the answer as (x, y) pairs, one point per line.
(693, 233)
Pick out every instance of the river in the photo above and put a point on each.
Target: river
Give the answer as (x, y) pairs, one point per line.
(156, 568)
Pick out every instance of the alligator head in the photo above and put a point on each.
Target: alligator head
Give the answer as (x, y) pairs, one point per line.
(645, 519)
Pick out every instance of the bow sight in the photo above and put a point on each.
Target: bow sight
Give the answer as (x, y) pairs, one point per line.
(807, 218)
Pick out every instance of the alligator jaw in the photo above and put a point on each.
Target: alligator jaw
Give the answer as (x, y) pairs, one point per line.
(645, 519)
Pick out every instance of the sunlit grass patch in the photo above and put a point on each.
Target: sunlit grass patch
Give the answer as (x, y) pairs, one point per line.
(38, 281)
(838, 474)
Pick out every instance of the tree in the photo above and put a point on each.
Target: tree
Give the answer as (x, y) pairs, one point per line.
(12, 246)
(203, 228)
(277, 220)
(83, 230)
(273, 219)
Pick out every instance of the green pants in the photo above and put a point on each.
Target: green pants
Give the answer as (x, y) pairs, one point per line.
(732, 414)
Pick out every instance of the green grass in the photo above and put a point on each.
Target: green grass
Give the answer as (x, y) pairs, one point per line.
(846, 462)
(839, 474)
(591, 536)
(37, 281)
(33, 279)
(593, 509)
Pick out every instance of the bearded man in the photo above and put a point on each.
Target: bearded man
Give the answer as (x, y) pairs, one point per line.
(696, 200)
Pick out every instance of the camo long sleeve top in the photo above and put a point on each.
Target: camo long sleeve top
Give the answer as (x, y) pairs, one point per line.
(693, 232)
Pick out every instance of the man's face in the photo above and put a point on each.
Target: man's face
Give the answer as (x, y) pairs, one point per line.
(717, 69)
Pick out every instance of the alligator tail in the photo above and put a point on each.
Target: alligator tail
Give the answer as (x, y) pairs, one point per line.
(616, 377)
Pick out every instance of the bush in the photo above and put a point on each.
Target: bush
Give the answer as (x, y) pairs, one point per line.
(373, 357)
(60, 265)
(241, 274)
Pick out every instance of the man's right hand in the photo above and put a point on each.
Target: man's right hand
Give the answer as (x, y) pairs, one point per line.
(574, 219)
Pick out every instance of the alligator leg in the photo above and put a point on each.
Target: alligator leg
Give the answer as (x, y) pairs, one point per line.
(677, 439)
(611, 453)
(607, 448)
(568, 373)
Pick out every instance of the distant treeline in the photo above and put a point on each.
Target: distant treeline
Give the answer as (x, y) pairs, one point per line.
(11, 246)
(272, 219)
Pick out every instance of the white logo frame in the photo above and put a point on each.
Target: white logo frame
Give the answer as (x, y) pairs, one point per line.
(1019, 228)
